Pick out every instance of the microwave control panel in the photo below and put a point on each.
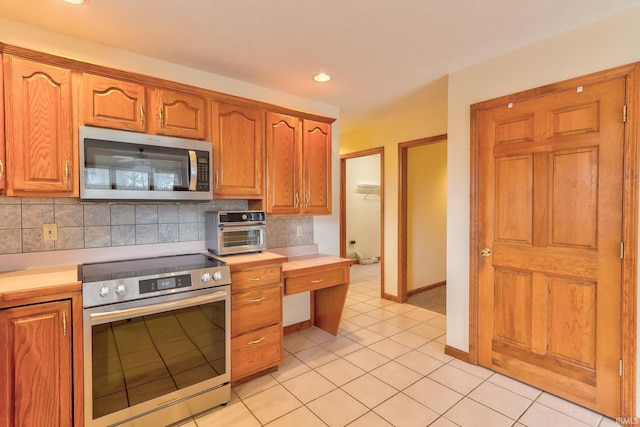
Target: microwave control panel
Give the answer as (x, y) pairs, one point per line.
(203, 179)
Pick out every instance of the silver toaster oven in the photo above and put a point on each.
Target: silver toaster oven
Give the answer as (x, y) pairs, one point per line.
(235, 232)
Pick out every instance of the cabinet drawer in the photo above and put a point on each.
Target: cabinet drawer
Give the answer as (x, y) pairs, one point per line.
(253, 277)
(256, 309)
(317, 280)
(256, 351)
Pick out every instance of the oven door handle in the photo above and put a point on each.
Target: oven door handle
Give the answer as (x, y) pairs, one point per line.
(127, 313)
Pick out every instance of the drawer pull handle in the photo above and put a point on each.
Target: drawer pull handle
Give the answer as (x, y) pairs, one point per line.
(256, 279)
(258, 299)
(256, 341)
(317, 281)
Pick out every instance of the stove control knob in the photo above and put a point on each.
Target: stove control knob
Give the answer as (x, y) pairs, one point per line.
(217, 275)
(104, 291)
(206, 277)
(121, 289)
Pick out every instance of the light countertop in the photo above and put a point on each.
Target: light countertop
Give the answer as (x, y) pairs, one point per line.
(34, 278)
(309, 261)
(289, 262)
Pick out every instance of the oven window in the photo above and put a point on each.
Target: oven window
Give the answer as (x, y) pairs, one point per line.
(139, 359)
(242, 238)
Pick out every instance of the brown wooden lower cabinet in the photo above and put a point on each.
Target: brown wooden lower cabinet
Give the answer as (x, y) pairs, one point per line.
(36, 378)
(256, 351)
(256, 320)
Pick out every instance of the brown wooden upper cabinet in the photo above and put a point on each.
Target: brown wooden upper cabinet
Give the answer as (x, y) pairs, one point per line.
(132, 106)
(40, 132)
(238, 151)
(114, 103)
(179, 114)
(298, 166)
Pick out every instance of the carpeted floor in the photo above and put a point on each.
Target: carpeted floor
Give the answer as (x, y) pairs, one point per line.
(433, 299)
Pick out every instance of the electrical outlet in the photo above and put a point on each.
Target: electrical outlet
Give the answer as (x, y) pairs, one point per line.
(299, 231)
(50, 232)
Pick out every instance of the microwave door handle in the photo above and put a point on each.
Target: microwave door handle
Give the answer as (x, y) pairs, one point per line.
(193, 170)
(128, 313)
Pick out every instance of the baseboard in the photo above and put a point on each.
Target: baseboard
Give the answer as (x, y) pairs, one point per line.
(458, 354)
(426, 288)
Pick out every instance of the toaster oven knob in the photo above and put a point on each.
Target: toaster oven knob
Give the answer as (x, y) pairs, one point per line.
(217, 275)
(104, 291)
(206, 277)
(121, 289)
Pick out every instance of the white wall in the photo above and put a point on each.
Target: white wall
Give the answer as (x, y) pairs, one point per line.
(604, 44)
(426, 215)
(363, 211)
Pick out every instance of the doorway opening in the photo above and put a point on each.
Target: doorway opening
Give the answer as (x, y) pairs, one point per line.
(422, 215)
(362, 208)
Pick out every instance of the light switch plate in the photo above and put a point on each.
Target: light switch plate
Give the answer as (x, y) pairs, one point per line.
(50, 232)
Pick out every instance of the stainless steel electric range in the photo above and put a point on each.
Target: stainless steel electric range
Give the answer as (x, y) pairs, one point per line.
(156, 337)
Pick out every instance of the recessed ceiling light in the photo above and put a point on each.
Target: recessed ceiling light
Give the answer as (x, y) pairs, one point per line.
(322, 77)
(75, 1)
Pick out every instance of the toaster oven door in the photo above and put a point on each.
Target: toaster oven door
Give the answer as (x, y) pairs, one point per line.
(241, 239)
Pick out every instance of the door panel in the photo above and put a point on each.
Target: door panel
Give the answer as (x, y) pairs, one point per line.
(550, 210)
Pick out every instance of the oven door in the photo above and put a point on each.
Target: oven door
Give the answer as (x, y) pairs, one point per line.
(167, 356)
(241, 239)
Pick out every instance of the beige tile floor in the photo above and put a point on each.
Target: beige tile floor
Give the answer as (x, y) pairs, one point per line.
(387, 367)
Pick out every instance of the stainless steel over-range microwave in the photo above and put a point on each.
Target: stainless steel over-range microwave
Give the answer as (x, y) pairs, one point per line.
(122, 165)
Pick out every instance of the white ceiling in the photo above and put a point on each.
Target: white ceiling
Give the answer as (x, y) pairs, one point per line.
(384, 55)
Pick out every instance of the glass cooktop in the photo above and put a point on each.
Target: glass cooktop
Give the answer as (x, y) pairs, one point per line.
(124, 269)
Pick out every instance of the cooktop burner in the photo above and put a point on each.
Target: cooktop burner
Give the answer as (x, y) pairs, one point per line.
(125, 269)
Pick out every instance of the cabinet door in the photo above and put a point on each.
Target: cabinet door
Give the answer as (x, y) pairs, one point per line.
(35, 365)
(41, 134)
(238, 139)
(316, 150)
(3, 175)
(284, 164)
(179, 114)
(113, 103)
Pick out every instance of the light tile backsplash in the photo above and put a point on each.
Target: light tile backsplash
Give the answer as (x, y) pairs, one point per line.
(282, 232)
(84, 225)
